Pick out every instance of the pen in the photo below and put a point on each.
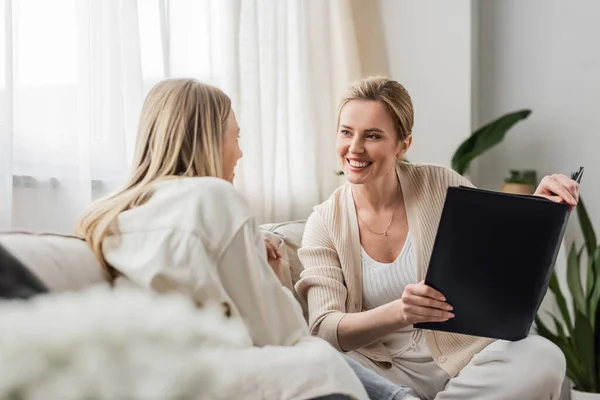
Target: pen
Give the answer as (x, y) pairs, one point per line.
(576, 176)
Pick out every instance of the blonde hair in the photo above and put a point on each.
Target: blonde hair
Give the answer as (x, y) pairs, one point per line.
(180, 134)
(392, 94)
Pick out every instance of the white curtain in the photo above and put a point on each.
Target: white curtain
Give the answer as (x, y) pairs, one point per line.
(71, 98)
(73, 75)
(296, 57)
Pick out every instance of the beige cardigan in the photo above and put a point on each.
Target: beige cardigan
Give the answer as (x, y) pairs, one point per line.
(331, 282)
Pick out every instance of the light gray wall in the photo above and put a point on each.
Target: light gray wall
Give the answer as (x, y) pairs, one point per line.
(543, 55)
(429, 47)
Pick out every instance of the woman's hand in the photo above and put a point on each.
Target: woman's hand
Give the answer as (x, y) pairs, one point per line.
(274, 259)
(559, 188)
(422, 303)
(419, 303)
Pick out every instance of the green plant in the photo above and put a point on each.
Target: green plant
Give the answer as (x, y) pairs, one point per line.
(526, 177)
(578, 335)
(485, 138)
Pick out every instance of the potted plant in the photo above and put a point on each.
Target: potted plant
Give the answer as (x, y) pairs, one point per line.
(577, 333)
(484, 139)
(520, 182)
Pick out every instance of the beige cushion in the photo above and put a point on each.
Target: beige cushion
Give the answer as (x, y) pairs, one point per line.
(285, 263)
(67, 263)
(291, 235)
(62, 263)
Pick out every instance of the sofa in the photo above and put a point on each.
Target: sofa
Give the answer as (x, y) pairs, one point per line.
(66, 263)
(93, 339)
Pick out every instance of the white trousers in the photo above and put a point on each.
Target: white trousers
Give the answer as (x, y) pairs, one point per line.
(530, 369)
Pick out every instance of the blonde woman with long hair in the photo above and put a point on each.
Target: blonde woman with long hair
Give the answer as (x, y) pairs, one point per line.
(366, 251)
(178, 224)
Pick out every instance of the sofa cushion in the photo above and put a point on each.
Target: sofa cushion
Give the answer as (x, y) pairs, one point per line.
(17, 282)
(291, 235)
(285, 264)
(60, 262)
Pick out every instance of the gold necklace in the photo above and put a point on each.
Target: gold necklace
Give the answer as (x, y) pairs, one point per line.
(384, 233)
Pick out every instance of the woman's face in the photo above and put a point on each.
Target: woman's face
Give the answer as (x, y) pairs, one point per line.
(367, 141)
(231, 147)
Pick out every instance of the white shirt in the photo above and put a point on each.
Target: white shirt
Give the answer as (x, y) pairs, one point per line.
(384, 283)
(198, 236)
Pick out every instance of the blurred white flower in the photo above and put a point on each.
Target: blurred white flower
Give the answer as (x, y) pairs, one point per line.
(113, 344)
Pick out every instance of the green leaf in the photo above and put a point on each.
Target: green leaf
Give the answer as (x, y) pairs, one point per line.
(560, 301)
(593, 279)
(559, 328)
(485, 138)
(574, 280)
(597, 345)
(543, 330)
(586, 228)
(561, 331)
(590, 276)
(575, 370)
(583, 339)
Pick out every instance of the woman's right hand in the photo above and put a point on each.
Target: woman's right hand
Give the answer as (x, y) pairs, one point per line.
(274, 259)
(422, 303)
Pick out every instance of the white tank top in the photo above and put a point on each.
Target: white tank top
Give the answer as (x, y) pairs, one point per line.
(385, 282)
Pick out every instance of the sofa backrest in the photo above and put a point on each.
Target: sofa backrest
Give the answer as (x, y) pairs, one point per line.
(64, 263)
(61, 263)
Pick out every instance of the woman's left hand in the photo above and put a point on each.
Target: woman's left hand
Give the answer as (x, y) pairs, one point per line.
(559, 188)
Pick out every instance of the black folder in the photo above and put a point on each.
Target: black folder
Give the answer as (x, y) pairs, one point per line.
(492, 259)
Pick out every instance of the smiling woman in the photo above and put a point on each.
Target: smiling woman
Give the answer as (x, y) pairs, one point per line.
(369, 142)
(365, 253)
